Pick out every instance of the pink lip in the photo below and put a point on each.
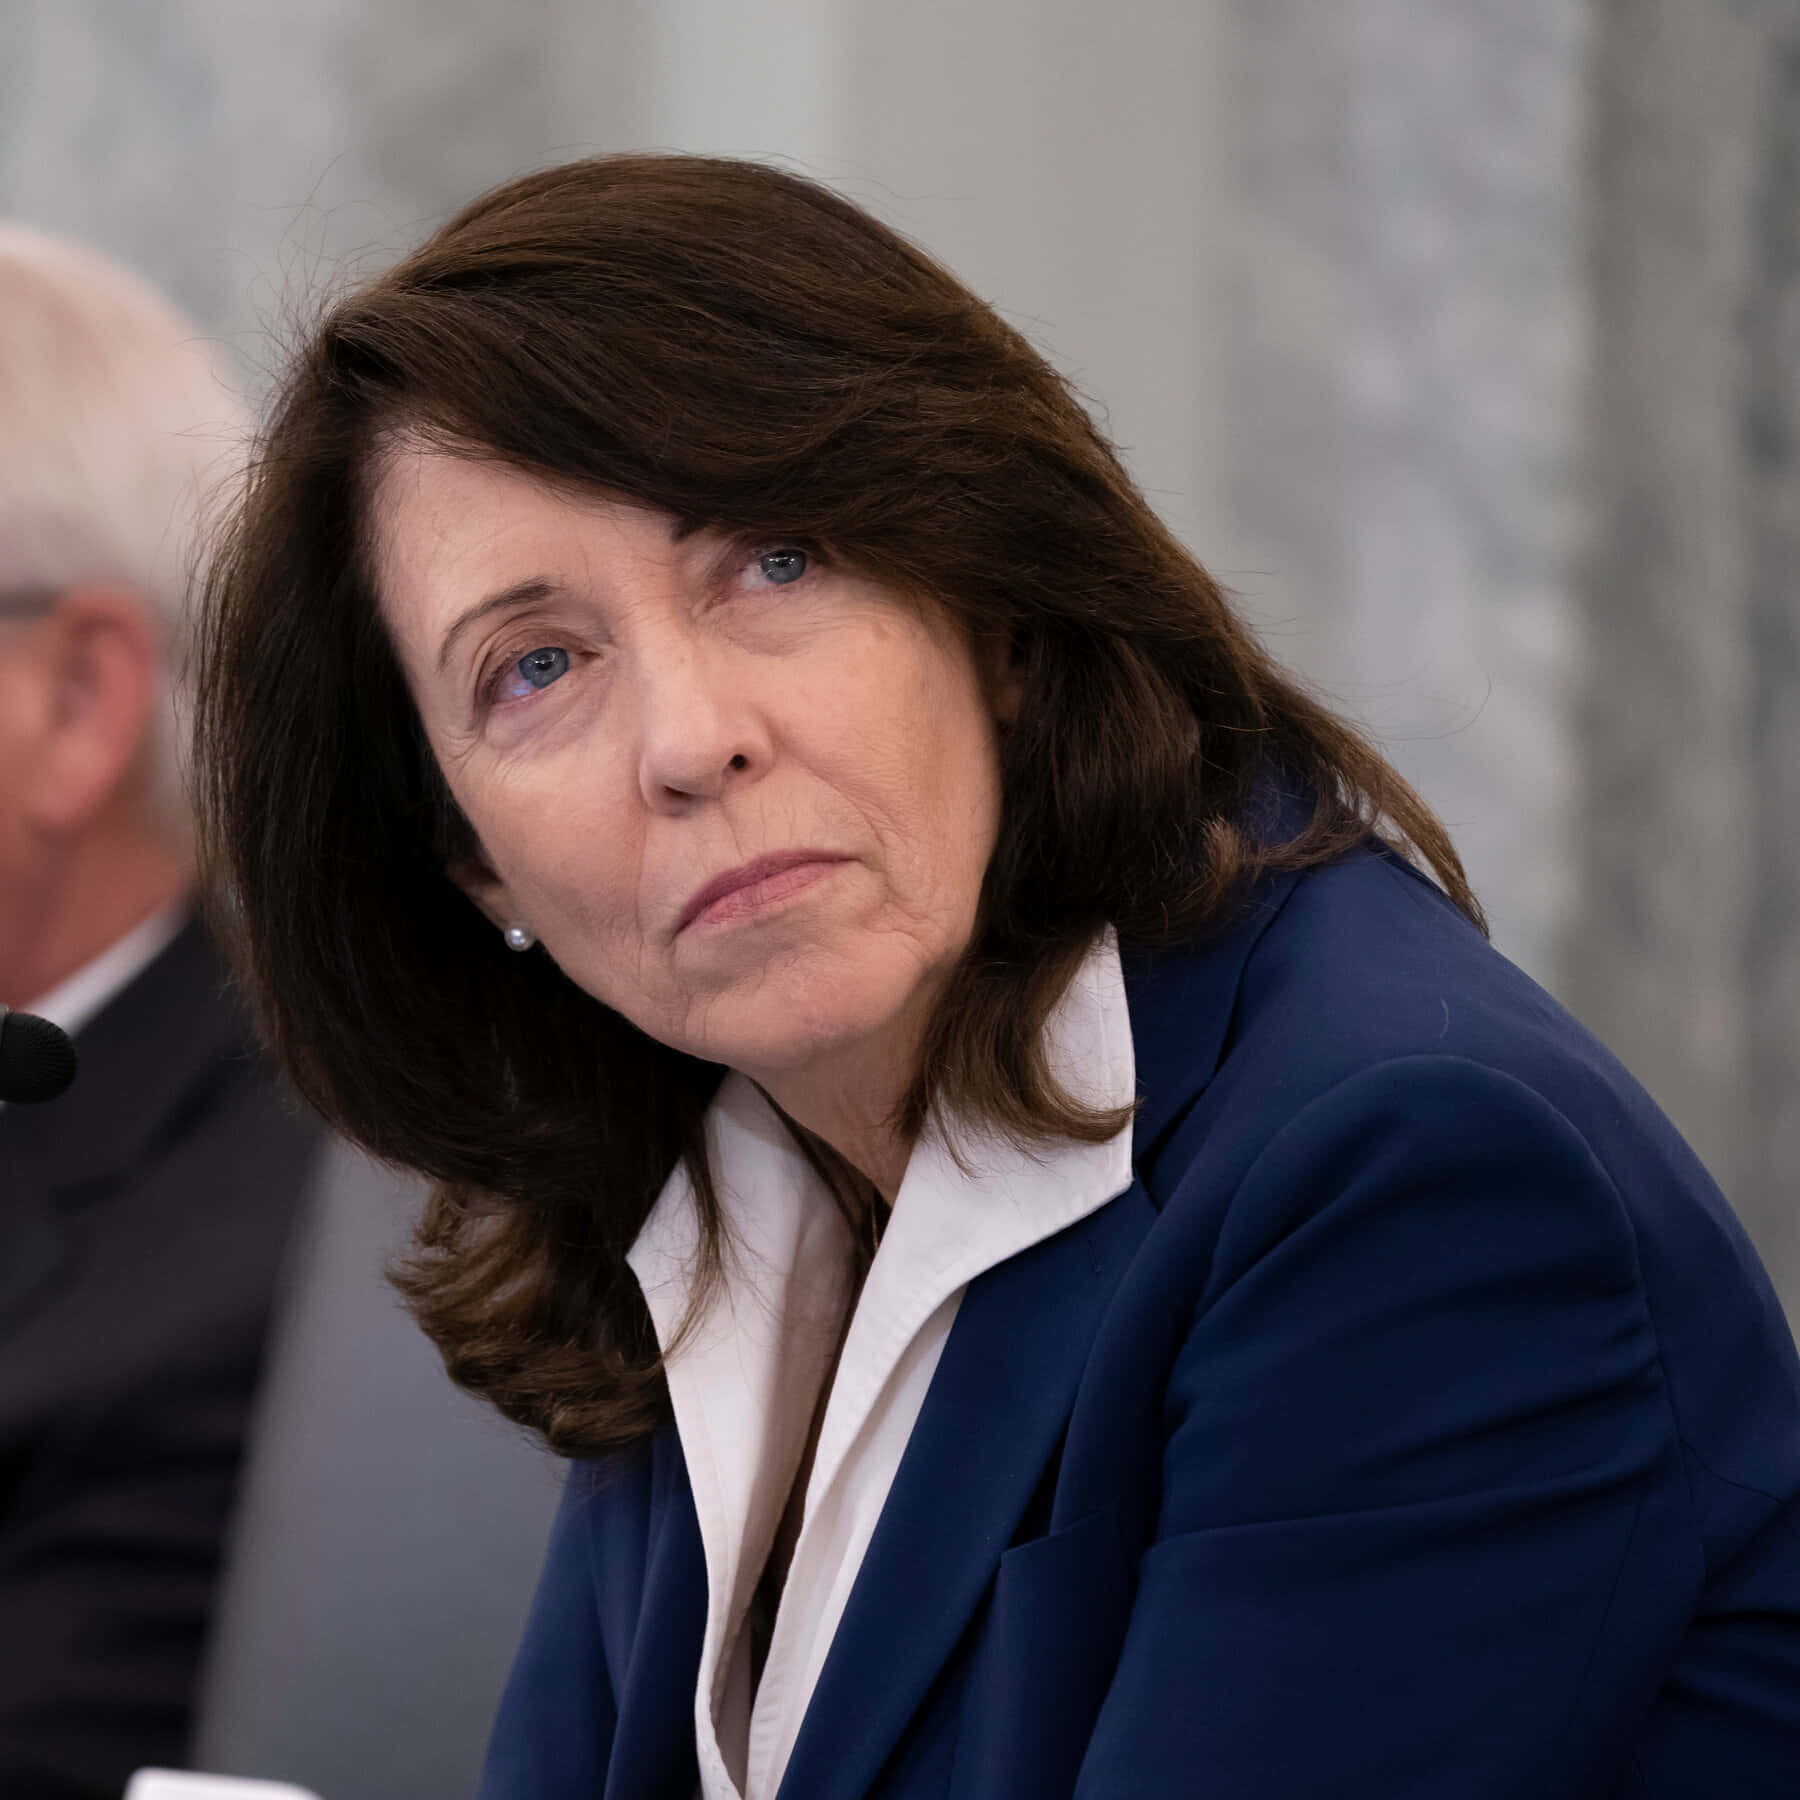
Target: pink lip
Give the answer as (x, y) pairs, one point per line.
(748, 874)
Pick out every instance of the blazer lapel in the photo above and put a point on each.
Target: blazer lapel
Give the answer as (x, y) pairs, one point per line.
(1181, 1001)
(1002, 1395)
(997, 1410)
(654, 1756)
(991, 1422)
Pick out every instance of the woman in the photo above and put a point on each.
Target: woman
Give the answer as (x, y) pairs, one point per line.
(1065, 1263)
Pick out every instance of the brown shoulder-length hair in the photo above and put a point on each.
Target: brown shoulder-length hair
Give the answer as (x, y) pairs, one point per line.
(743, 349)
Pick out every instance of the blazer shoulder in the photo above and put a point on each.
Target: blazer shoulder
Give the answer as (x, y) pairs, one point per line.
(1372, 1023)
(1368, 962)
(1365, 962)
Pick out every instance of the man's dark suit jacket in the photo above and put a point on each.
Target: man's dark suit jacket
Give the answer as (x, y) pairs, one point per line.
(1419, 1424)
(142, 1221)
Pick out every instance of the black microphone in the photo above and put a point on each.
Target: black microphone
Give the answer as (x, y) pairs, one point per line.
(37, 1059)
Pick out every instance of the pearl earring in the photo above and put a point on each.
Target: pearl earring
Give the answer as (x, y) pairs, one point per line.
(518, 938)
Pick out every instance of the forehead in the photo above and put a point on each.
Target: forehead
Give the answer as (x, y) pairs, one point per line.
(450, 530)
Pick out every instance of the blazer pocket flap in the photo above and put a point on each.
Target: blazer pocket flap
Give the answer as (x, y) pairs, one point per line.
(1043, 1661)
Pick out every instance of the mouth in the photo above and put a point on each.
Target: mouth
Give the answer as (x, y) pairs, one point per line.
(756, 885)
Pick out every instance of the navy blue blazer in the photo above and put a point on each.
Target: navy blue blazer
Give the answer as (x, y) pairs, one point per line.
(1419, 1423)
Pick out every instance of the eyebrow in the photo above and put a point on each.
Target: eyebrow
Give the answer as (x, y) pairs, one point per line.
(534, 588)
(521, 593)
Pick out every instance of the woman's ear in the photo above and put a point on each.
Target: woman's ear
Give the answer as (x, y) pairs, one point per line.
(1003, 676)
(486, 890)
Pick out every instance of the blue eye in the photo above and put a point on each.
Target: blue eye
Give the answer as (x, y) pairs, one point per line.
(538, 668)
(782, 566)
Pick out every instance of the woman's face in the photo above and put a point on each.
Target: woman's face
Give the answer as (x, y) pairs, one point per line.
(629, 721)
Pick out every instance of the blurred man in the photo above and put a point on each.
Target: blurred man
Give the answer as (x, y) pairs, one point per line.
(143, 1214)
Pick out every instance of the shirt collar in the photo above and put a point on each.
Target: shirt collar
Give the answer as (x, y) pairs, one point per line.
(962, 1212)
(745, 1382)
(946, 1222)
(80, 997)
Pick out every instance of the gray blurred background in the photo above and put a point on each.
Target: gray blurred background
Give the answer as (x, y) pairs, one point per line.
(1461, 338)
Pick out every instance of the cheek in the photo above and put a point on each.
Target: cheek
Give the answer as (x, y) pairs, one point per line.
(930, 769)
(949, 750)
(567, 853)
(584, 887)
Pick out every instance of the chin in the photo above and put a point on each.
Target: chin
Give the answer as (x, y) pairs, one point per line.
(799, 1017)
(784, 1044)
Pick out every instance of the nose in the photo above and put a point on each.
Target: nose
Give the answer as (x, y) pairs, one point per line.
(699, 725)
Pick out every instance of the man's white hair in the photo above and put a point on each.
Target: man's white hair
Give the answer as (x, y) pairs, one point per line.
(118, 435)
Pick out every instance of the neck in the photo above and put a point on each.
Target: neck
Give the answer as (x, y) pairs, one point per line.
(858, 1132)
(849, 1101)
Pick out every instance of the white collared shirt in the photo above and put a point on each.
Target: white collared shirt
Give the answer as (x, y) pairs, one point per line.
(78, 997)
(746, 1384)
